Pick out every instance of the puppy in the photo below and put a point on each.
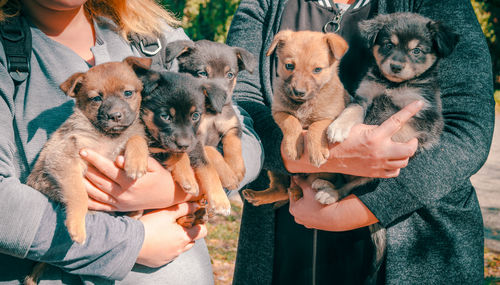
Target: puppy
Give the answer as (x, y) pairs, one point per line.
(106, 119)
(206, 59)
(308, 95)
(406, 51)
(172, 109)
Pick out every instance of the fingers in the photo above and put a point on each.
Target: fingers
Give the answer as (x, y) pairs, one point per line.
(102, 183)
(396, 164)
(396, 121)
(104, 165)
(183, 209)
(399, 151)
(97, 194)
(197, 232)
(98, 206)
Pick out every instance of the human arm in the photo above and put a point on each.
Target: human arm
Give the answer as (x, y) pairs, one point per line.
(368, 151)
(250, 91)
(466, 87)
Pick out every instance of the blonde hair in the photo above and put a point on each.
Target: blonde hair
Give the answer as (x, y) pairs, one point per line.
(145, 17)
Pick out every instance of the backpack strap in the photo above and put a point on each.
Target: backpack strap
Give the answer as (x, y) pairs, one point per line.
(15, 35)
(152, 47)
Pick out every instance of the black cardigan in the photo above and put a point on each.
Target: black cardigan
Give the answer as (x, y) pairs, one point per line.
(435, 230)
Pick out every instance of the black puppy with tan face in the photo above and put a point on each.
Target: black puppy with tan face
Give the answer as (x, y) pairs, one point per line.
(212, 60)
(172, 107)
(406, 49)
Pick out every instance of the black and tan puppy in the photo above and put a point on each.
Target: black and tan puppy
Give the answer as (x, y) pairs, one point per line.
(172, 108)
(106, 119)
(206, 59)
(406, 49)
(308, 95)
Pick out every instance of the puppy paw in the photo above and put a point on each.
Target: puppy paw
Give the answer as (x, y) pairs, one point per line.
(318, 156)
(219, 206)
(190, 187)
(325, 192)
(230, 181)
(186, 221)
(295, 193)
(135, 166)
(293, 147)
(338, 131)
(252, 197)
(188, 182)
(76, 230)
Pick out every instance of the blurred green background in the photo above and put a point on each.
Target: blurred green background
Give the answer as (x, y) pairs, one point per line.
(210, 19)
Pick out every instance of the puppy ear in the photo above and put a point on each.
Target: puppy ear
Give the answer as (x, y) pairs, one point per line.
(175, 49)
(140, 65)
(369, 29)
(215, 96)
(279, 40)
(444, 39)
(150, 81)
(246, 60)
(338, 46)
(72, 84)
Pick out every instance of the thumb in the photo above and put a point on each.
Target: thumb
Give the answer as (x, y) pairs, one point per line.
(184, 209)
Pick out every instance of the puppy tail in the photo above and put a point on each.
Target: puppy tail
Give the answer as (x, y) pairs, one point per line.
(37, 272)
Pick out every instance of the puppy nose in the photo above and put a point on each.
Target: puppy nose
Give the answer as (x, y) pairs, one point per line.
(182, 144)
(298, 92)
(117, 116)
(396, 68)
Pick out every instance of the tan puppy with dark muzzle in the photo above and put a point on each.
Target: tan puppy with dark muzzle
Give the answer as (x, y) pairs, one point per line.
(106, 119)
(308, 95)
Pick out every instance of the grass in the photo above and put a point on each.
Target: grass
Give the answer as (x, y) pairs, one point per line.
(222, 241)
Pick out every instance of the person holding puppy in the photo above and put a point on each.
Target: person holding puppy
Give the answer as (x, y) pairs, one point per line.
(69, 37)
(430, 209)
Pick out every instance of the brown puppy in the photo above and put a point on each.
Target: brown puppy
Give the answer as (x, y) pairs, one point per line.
(308, 95)
(105, 118)
(207, 59)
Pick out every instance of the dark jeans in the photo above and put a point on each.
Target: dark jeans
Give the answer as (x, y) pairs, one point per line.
(341, 257)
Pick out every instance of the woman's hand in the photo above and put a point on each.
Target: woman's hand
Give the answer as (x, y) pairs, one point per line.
(347, 214)
(368, 151)
(164, 239)
(110, 189)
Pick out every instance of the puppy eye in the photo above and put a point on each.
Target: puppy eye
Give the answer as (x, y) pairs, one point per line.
(166, 117)
(317, 70)
(195, 117)
(230, 75)
(388, 46)
(96, 99)
(290, 66)
(416, 51)
(128, 93)
(202, 74)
